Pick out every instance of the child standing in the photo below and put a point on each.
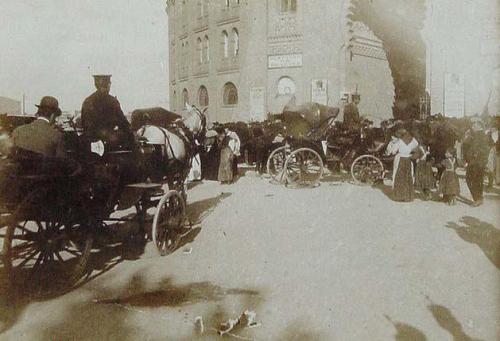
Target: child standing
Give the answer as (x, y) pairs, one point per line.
(449, 185)
(424, 176)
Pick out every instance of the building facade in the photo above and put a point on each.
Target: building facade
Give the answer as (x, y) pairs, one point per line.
(463, 56)
(243, 58)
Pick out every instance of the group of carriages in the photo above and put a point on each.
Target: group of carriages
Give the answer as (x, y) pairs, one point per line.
(53, 210)
(297, 146)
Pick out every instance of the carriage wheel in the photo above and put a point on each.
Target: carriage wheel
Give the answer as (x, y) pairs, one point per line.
(44, 253)
(304, 167)
(367, 169)
(168, 222)
(276, 163)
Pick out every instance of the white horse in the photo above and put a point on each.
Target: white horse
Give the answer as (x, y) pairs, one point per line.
(176, 147)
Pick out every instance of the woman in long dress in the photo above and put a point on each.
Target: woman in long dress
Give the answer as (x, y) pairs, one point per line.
(226, 158)
(402, 176)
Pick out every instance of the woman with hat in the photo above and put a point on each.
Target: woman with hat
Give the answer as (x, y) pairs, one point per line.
(402, 177)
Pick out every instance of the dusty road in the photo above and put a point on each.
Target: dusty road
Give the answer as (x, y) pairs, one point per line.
(338, 262)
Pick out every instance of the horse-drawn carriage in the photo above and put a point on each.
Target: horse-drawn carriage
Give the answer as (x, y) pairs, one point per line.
(53, 209)
(314, 139)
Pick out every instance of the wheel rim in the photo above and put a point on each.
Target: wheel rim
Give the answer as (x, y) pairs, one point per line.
(48, 254)
(276, 163)
(43, 250)
(304, 167)
(367, 169)
(167, 222)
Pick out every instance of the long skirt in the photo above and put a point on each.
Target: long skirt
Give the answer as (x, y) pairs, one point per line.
(226, 165)
(403, 189)
(424, 176)
(449, 185)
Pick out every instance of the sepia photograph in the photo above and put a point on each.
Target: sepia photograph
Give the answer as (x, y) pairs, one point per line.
(281, 170)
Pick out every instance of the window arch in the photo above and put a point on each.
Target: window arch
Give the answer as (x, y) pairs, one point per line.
(286, 86)
(203, 96)
(200, 50)
(207, 49)
(230, 96)
(225, 43)
(236, 42)
(185, 98)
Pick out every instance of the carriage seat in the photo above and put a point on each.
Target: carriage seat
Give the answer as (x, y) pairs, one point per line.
(377, 147)
(33, 166)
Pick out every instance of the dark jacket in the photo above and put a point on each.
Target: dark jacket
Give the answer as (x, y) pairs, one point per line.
(103, 118)
(351, 114)
(39, 137)
(476, 149)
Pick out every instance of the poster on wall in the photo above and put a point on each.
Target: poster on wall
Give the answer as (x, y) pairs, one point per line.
(319, 91)
(454, 94)
(257, 106)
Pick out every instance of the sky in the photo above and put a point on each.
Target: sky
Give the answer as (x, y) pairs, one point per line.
(53, 47)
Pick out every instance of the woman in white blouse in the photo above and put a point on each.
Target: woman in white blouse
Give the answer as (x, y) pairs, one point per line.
(402, 175)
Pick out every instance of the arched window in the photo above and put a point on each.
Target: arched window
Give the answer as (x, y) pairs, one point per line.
(225, 43)
(286, 86)
(200, 50)
(288, 6)
(227, 3)
(207, 49)
(203, 96)
(230, 95)
(185, 98)
(236, 42)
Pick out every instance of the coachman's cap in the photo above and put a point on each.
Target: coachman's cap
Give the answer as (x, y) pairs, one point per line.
(102, 79)
(49, 102)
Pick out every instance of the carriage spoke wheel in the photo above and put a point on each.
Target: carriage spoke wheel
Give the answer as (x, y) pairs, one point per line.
(44, 253)
(276, 163)
(168, 222)
(304, 168)
(367, 170)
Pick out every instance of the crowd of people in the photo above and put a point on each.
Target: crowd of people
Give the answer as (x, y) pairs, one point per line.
(413, 168)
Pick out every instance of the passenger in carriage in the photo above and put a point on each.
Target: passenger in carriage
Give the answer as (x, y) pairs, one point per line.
(40, 136)
(103, 118)
(351, 112)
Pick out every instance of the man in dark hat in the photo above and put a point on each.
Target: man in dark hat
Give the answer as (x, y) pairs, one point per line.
(40, 136)
(103, 118)
(476, 150)
(351, 112)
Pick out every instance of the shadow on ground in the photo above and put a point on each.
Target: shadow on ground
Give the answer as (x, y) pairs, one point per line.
(448, 322)
(115, 244)
(406, 332)
(113, 318)
(483, 234)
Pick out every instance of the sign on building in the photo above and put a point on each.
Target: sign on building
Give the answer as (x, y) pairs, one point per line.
(454, 94)
(284, 60)
(319, 91)
(257, 104)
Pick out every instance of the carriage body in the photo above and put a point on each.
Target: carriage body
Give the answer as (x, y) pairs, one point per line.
(315, 140)
(53, 209)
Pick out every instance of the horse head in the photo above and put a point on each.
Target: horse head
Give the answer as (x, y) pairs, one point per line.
(196, 122)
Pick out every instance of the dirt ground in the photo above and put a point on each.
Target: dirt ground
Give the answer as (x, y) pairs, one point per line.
(336, 262)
